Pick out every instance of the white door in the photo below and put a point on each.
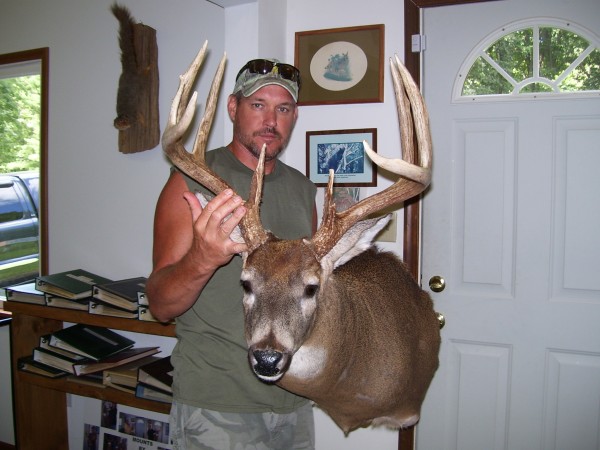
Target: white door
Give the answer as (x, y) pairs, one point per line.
(512, 223)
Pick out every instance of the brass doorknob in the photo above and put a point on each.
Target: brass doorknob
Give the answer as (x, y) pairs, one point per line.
(437, 283)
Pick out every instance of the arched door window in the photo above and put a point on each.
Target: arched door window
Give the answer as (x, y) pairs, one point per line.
(529, 59)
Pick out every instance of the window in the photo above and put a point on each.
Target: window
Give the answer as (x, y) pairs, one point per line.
(530, 59)
(23, 136)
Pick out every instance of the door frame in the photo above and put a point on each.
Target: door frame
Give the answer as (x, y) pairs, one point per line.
(412, 208)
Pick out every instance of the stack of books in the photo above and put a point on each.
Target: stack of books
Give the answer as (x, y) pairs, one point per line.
(117, 298)
(155, 380)
(83, 290)
(82, 350)
(103, 358)
(71, 289)
(150, 378)
(124, 378)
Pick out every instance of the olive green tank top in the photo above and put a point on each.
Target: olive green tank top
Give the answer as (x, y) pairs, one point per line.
(210, 358)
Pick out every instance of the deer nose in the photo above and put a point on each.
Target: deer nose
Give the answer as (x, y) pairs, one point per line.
(266, 362)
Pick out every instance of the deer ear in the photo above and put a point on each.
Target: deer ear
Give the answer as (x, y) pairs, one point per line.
(236, 235)
(356, 240)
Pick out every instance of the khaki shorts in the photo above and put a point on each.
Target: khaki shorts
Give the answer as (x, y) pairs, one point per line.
(201, 429)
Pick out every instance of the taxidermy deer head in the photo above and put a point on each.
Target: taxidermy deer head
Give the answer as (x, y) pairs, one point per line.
(331, 317)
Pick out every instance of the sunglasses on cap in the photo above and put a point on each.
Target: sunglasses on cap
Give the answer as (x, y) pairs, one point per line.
(264, 66)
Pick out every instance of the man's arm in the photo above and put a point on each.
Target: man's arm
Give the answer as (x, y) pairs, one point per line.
(190, 244)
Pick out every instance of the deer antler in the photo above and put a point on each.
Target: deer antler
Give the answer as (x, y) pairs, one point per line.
(413, 179)
(193, 164)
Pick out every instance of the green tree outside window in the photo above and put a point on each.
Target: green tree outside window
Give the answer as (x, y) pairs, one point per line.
(534, 58)
(20, 123)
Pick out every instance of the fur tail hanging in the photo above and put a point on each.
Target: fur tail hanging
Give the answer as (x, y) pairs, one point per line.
(129, 81)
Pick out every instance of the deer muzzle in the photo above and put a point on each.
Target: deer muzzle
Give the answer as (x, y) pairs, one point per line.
(268, 364)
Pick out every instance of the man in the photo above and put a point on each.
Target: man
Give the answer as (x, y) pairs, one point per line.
(218, 402)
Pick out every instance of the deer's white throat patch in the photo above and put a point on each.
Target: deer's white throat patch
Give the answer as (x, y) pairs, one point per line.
(307, 362)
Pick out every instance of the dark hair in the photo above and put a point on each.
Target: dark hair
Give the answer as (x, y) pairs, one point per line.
(238, 96)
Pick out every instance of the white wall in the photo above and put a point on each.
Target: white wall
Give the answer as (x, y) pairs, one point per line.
(101, 202)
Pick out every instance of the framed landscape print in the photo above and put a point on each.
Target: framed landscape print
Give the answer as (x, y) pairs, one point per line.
(340, 65)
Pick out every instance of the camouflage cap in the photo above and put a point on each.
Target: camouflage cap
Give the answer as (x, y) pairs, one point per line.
(249, 81)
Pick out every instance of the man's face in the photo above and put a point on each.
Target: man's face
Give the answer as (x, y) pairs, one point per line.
(266, 117)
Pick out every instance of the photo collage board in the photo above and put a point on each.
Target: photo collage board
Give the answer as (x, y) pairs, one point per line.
(125, 428)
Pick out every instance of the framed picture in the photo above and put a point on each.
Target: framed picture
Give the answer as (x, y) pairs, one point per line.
(340, 65)
(344, 152)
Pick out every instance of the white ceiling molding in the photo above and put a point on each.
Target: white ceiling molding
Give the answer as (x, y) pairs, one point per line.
(228, 3)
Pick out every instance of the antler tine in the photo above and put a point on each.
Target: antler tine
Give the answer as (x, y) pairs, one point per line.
(420, 117)
(251, 225)
(407, 134)
(412, 113)
(209, 113)
(180, 118)
(187, 79)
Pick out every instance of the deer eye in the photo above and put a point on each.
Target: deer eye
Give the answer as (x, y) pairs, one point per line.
(246, 286)
(311, 290)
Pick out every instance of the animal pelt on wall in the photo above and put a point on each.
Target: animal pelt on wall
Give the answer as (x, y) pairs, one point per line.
(131, 78)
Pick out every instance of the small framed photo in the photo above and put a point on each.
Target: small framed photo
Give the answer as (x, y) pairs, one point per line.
(344, 152)
(340, 65)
